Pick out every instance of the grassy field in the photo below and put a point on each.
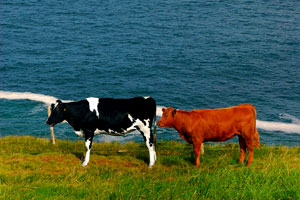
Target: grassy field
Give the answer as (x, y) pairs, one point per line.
(33, 168)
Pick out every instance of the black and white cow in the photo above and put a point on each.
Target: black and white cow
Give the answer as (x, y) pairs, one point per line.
(94, 116)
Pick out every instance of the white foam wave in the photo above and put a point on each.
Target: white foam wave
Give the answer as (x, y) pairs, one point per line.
(294, 119)
(30, 96)
(159, 110)
(278, 126)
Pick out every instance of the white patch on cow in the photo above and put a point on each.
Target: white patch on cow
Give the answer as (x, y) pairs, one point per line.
(147, 97)
(80, 133)
(87, 154)
(98, 132)
(132, 127)
(128, 130)
(145, 129)
(111, 131)
(130, 117)
(152, 155)
(93, 104)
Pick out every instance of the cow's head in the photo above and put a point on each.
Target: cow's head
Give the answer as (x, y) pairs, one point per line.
(167, 118)
(57, 113)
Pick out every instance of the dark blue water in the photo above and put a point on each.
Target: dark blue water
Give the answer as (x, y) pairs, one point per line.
(185, 54)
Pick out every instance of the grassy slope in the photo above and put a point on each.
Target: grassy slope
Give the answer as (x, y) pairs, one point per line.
(33, 168)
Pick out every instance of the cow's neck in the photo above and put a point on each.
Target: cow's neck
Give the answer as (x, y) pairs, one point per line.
(72, 116)
(179, 124)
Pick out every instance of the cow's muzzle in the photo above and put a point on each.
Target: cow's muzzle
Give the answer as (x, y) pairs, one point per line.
(49, 123)
(160, 124)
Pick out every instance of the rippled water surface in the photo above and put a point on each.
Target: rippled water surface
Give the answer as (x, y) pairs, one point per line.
(185, 54)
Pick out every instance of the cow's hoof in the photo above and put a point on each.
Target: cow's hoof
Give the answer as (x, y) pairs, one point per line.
(84, 164)
(150, 166)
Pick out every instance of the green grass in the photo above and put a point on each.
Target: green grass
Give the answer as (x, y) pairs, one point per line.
(33, 168)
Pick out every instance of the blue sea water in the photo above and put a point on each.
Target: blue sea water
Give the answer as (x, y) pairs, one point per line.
(185, 54)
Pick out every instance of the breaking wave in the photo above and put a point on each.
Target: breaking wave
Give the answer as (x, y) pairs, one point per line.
(292, 118)
(28, 95)
(278, 126)
(159, 110)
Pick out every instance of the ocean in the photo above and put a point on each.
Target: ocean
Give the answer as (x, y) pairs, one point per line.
(185, 54)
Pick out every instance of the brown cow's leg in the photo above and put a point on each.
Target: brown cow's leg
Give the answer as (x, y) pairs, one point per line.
(197, 147)
(242, 149)
(250, 147)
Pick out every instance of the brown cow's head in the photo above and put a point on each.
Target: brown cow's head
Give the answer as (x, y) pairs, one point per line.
(167, 118)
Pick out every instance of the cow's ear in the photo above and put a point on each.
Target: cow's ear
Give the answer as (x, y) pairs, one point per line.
(58, 101)
(52, 107)
(163, 109)
(174, 112)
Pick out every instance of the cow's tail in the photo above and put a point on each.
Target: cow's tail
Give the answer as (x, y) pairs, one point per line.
(256, 138)
(154, 130)
(153, 106)
(154, 126)
(256, 135)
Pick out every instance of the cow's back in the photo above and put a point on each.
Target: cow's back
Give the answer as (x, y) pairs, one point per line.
(138, 107)
(219, 115)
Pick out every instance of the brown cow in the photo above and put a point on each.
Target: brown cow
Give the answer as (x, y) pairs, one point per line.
(217, 125)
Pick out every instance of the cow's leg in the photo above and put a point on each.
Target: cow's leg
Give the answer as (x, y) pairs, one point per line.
(250, 148)
(88, 145)
(148, 138)
(197, 147)
(242, 149)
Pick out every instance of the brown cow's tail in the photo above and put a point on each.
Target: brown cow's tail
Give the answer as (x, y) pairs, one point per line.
(256, 139)
(256, 135)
